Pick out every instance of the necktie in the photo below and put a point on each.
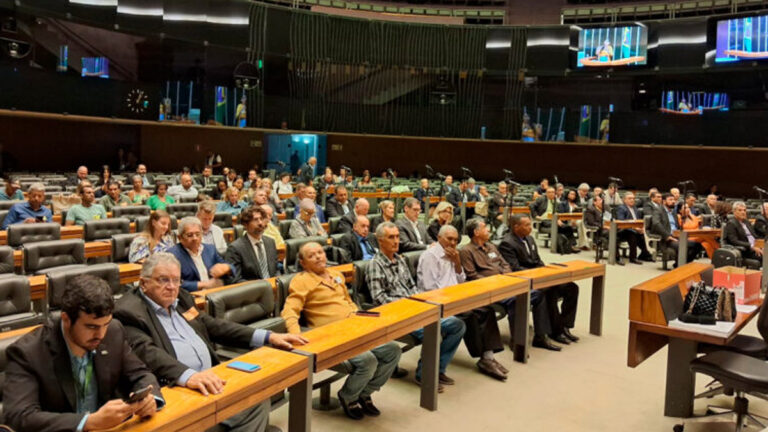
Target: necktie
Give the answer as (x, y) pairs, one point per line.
(527, 246)
(262, 259)
(632, 213)
(366, 246)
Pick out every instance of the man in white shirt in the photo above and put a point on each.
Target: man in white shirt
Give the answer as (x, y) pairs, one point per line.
(212, 233)
(183, 190)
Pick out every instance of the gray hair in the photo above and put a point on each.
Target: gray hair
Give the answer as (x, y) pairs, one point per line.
(471, 180)
(306, 204)
(300, 253)
(188, 220)
(445, 229)
(584, 186)
(36, 187)
(739, 204)
(268, 208)
(155, 260)
(361, 202)
(207, 206)
(472, 226)
(135, 177)
(386, 203)
(410, 201)
(380, 230)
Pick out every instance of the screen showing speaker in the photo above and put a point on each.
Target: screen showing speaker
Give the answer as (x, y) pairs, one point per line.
(742, 39)
(613, 46)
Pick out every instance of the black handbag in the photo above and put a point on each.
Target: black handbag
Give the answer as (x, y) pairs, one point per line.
(718, 303)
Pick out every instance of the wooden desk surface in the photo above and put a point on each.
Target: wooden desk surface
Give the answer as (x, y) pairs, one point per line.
(344, 339)
(474, 294)
(570, 216)
(636, 224)
(581, 269)
(183, 411)
(643, 297)
(544, 277)
(17, 332)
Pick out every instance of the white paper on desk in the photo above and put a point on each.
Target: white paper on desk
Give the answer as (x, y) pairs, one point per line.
(720, 329)
(745, 308)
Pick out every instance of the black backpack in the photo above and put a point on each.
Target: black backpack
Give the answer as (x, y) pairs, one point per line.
(564, 246)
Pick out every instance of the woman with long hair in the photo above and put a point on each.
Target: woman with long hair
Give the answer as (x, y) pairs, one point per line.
(442, 215)
(156, 237)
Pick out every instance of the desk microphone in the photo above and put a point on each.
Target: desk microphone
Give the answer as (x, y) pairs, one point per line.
(760, 190)
(687, 182)
(615, 180)
(347, 169)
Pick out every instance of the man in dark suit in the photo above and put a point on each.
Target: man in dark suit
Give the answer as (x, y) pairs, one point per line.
(628, 211)
(710, 205)
(761, 223)
(543, 208)
(664, 222)
(201, 266)
(413, 232)
(307, 171)
(348, 221)
(519, 250)
(500, 199)
(740, 233)
(360, 244)
(168, 333)
(423, 192)
(147, 180)
(461, 194)
(82, 175)
(339, 204)
(204, 179)
(653, 203)
(253, 255)
(73, 373)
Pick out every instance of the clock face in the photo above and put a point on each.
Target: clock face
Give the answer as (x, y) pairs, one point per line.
(137, 101)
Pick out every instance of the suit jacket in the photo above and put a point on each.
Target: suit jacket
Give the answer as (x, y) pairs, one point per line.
(346, 222)
(421, 195)
(456, 196)
(649, 208)
(734, 234)
(564, 207)
(660, 224)
(333, 208)
(408, 240)
(189, 275)
(622, 213)
(241, 255)
(201, 180)
(761, 226)
(41, 393)
(592, 217)
(151, 343)
(350, 243)
(516, 255)
(496, 203)
(539, 207)
(306, 175)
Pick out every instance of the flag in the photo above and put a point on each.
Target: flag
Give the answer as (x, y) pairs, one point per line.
(221, 105)
(585, 120)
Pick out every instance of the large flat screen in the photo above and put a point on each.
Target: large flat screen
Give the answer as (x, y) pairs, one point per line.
(742, 39)
(613, 46)
(693, 102)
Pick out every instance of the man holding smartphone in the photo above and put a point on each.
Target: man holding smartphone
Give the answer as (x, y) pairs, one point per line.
(32, 211)
(59, 374)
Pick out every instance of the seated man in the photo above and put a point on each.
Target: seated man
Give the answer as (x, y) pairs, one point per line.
(204, 179)
(740, 233)
(321, 297)
(389, 279)
(31, 211)
(253, 255)
(306, 224)
(201, 266)
(176, 341)
(231, 203)
(260, 197)
(413, 232)
(710, 205)
(81, 176)
(361, 209)
(339, 204)
(12, 191)
(664, 223)
(761, 223)
(499, 200)
(635, 239)
(543, 208)
(310, 193)
(212, 233)
(272, 231)
(72, 373)
(114, 197)
(520, 251)
(184, 189)
(360, 244)
(147, 180)
(87, 210)
(423, 192)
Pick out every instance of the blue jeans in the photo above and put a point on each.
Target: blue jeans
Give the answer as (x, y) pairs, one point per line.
(452, 330)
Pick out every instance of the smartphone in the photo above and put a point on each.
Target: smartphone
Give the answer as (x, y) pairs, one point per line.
(368, 313)
(243, 366)
(559, 265)
(39, 219)
(138, 395)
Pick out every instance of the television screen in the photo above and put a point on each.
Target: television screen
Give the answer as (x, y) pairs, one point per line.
(741, 39)
(95, 67)
(693, 102)
(613, 46)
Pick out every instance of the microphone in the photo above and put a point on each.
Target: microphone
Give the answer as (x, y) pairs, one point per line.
(686, 182)
(556, 179)
(430, 171)
(508, 173)
(440, 176)
(760, 190)
(390, 172)
(511, 182)
(346, 168)
(615, 180)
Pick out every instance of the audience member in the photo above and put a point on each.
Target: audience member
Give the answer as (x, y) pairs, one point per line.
(212, 233)
(386, 214)
(272, 231)
(205, 180)
(689, 221)
(219, 192)
(12, 190)
(739, 232)
(361, 209)
(160, 199)
(413, 232)
(500, 200)
(253, 255)
(252, 181)
(231, 176)
(231, 203)
(157, 236)
(664, 223)
(307, 224)
(339, 204)
(87, 210)
(611, 198)
(31, 211)
(582, 198)
(423, 193)
(543, 186)
(100, 189)
(147, 180)
(201, 266)
(82, 175)
(310, 193)
(185, 190)
(543, 208)
(138, 194)
(283, 186)
(634, 238)
(307, 171)
(360, 244)
(443, 215)
(447, 186)
(761, 222)
(114, 197)
(710, 205)
(653, 204)
(214, 161)
(321, 297)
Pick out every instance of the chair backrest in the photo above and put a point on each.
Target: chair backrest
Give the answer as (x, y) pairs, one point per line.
(131, 212)
(336, 238)
(223, 220)
(292, 248)
(3, 214)
(5, 205)
(285, 227)
(360, 290)
(55, 253)
(333, 224)
(14, 295)
(58, 280)
(283, 284)
(121, 245)
(647, 227)
(186, 200)
(244, 304)
(412, 258)
(4, 344)
(141, 223)
(182, 210)
(6, 259)
(20, 234)
(105, 228)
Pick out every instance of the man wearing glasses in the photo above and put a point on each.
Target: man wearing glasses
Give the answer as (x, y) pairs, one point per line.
(307, 224)
(176, 341)
(201, 266)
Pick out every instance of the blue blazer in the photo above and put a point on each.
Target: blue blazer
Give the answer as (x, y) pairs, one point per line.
(622, 213)
(189, 275)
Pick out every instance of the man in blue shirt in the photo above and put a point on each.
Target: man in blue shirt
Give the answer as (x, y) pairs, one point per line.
(360, 244)
(31, 211)
(12, 191)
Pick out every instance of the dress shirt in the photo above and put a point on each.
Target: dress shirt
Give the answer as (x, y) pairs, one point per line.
(483, 261)
(108, 203)
(367, 250)
(415, 226)
(178, 191)
(197, 258)
(672, 219)
(234, 210)
(320, 301)
(750, 238)
(17, 196)
(273, 232)
(283, 188)
(389, 280)
(86, 387)
(215, 236)
(436, 270)
(21, 211)
(632, 213)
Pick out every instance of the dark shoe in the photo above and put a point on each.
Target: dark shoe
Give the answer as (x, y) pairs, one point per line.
(368, 407)
(500, 367)
(353, 410)
(400, 373)
(620, 261)
(636, 261)
(646, 257)
(272, 428)
(445, 379)
(545, 342)
(440, 387)
(489, 368)
(567, 333)
(561, 339)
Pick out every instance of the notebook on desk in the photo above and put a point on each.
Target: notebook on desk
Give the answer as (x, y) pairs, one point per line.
(720, 329)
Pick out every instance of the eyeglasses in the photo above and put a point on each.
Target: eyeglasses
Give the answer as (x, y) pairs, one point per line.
(164, 281)
(193, 235)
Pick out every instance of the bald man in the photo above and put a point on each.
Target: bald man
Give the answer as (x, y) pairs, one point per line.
(82, 175)
(360, 243)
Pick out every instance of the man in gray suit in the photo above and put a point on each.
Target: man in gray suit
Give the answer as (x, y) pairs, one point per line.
(254, 254)
(413, 232)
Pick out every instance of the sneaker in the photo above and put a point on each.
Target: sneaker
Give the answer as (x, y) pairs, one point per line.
(368, 407)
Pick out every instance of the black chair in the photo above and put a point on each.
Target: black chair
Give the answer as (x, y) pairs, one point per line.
(333, 224)
(747, 262)
(5, 342)
(3, 214)
(5, 205)
(336, 238)
(20, 234)
(105, 228)
(412, 258)
(7, 262)
(285, 227)
(182, 210)
(121, 245)
(223, 220)
(131, 212)
(292, 247)
(15, 311)
(42, 257)
(58, 281)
